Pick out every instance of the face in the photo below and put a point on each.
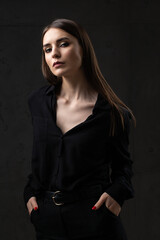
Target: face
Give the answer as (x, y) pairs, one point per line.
(58, 45)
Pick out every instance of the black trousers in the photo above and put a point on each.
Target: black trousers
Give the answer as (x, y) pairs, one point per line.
(76, 221)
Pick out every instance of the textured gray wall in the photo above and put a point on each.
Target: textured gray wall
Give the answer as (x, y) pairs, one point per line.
(126, 38)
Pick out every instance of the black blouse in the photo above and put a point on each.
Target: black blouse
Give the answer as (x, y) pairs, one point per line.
(85, 155)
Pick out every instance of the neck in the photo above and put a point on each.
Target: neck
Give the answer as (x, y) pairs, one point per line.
(75, 87)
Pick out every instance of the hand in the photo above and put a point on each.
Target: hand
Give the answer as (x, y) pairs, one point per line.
(32, 204)
(110, 203)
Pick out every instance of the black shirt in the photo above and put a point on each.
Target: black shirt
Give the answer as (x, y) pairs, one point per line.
(83, 156)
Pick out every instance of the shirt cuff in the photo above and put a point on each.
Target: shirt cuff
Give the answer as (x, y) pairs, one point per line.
(118, 193)
(27, 194)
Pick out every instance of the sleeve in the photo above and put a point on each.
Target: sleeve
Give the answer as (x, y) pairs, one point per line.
(28, 190)
(121, 187)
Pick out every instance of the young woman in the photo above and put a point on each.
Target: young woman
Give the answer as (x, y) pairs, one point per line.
(81, 166)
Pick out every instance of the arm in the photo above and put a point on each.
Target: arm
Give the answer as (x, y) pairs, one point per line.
(31, 190)
(121, 187)
(29, 197)
(28, 190)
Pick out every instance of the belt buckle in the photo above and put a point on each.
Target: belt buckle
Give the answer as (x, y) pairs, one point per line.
(54, 199)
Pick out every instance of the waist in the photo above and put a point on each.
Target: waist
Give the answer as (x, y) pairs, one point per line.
(63, 197)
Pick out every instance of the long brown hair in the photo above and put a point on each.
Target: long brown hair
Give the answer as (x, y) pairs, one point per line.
(90, 66)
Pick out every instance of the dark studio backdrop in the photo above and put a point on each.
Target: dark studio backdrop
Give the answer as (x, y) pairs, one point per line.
(126, 38)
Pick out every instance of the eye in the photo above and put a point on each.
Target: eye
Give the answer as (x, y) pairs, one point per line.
(64, 44)
(47, 50)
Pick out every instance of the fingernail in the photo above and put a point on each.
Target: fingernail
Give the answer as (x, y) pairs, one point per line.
(35, 208)
(94, 208)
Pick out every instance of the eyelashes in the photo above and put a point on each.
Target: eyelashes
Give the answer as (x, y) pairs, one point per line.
(65, 44)
(49, 49)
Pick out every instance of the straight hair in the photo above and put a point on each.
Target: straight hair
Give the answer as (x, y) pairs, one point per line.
(91, 69)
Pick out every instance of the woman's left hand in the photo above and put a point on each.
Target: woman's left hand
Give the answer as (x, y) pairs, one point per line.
(109, 202)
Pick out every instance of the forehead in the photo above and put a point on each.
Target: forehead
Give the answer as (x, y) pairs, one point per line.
(53, 34)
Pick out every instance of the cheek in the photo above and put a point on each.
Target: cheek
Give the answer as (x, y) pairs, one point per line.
(74, 56)
(48, 60)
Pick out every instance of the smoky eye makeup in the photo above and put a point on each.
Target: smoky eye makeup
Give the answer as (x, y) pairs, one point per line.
(64, 44)
(49, 49)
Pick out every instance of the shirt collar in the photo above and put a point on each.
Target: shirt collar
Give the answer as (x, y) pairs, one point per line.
(101, 103)
(50, 89)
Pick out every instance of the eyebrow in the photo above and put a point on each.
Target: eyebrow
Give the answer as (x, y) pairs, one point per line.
(58, 40)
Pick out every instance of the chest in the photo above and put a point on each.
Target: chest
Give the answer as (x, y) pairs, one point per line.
(69, 115)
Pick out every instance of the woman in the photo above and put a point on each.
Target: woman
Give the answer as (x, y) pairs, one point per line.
(81, 167)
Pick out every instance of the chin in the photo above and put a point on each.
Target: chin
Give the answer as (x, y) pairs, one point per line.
(61, 74)
(57, 75)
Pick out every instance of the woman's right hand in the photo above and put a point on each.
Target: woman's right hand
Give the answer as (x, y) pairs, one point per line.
(32, 204)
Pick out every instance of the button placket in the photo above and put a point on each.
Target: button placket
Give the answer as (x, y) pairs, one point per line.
(60, 147)
(59, 156)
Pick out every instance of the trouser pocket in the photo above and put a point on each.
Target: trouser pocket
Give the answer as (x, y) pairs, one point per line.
(34, 215)
(47, 219)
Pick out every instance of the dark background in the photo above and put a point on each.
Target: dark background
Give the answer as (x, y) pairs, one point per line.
(126, 38)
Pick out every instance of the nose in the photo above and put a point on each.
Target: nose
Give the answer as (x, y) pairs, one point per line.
(55, 52)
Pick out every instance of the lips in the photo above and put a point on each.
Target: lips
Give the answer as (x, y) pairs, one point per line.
(57, 63)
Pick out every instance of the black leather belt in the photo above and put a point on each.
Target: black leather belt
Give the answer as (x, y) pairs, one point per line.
(60, 198)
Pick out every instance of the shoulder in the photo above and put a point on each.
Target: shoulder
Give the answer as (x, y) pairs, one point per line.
(125, 117)
(125, 114)
(38, 94)
(37, 98)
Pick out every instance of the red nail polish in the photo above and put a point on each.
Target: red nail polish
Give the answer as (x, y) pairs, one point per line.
(35, 208)
(94, 208)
